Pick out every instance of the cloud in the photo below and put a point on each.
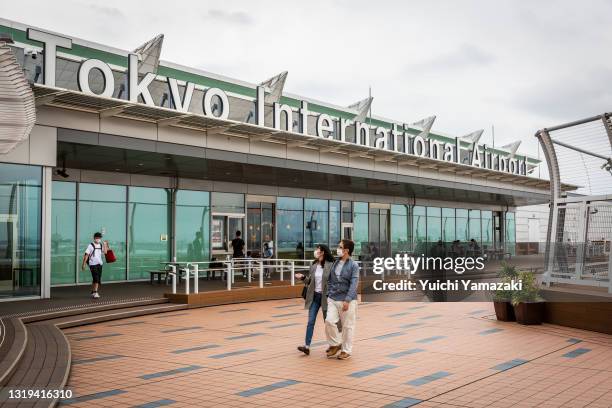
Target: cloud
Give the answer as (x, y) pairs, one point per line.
(233, 17)
(466, 56)
(108, 11)
(570, 97)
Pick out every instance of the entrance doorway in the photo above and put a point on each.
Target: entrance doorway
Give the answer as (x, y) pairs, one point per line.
(347, 230)
(223, 230)
(260, 227)
(497, 230)
(378, 232)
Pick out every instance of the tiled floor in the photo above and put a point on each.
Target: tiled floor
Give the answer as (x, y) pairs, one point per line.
(405, 354)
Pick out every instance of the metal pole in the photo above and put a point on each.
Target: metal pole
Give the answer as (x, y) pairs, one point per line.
(227, 278)
(187, 278)
(196, 273)
(292, 273)
(282, 269)
(261, 273)
(173, 272)
(233, 266)
(249, 272)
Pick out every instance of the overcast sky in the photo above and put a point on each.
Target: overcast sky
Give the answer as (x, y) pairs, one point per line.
(517, 65)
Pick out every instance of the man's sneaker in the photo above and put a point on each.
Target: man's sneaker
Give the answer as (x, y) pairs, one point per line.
(332, 351)
(304, 349)
(96, 295)
(344, 356)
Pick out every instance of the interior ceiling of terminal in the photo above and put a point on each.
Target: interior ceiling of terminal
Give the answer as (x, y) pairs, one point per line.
(111, 159)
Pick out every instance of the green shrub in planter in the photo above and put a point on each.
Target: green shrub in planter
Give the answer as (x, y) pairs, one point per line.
(528, 305)
(502, 298)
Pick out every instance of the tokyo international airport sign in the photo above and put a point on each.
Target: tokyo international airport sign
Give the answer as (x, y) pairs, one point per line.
(376, 137)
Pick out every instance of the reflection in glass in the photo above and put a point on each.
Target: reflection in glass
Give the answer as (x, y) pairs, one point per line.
(192, 230)
(360, 229)
(63, 233)
(290, 229)
(148, 230)
(102, 208)
(20, 229)
(316, 219)
(400, 229)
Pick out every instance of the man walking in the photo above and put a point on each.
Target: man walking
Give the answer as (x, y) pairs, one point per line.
(342, 302)
(93, 258)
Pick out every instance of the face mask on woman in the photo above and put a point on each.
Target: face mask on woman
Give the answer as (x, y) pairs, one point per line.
(317, 253)
(339, 251)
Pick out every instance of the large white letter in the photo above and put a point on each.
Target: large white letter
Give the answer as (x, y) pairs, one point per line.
(107, 75)
(278, 110)
(207, 103)
(325, 124)
(362, 129)
(50, 44)
(181, 105)
(381, 138)
(136, 89)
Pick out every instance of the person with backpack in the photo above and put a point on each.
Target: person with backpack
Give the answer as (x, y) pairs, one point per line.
(93, 258)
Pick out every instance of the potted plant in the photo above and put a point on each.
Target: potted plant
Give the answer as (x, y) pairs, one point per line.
(528, 305)
(502, 298)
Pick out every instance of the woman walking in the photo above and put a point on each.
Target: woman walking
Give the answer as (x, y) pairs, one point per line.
(316, 290)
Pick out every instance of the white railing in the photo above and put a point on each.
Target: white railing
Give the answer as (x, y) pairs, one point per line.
(229, 269)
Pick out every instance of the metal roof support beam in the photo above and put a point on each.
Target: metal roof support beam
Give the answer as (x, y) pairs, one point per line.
(171, 121)
(105, 113)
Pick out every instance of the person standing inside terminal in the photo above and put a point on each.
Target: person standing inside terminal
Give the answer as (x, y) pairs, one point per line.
(342, 302)
(238, 246)
(93, 258)
(316, 290)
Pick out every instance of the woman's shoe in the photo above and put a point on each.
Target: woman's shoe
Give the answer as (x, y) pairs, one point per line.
(304, 349)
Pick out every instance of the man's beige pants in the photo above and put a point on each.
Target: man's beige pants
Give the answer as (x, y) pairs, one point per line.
(348, 319)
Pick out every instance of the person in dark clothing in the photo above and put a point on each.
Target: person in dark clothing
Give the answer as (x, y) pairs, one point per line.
(238, 246)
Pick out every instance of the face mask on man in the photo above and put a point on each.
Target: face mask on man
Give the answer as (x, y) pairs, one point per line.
(339, 251)
(97, 240)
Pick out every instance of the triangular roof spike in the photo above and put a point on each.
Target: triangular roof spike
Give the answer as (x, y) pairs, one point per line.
(512, 147)
(362, 107)
(473, 137)
(426, 125)
(275, 85)
(149, 53)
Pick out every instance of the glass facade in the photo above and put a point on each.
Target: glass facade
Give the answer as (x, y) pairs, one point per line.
(137, 222)
(20, 230)
(148, 230)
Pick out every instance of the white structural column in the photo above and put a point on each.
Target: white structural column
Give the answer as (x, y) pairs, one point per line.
(45, 253)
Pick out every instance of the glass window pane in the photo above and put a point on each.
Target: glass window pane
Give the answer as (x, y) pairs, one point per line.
(289, 203)
(510, 233)
(64, 190)
(316, 219)
(448, 226)
(192, 225)
(101, 192)
(63, 239)
(400, 229)
(434, 224)
(148, 231)
(97, 213)
(487, 229)
(20, 229)
(475, 228)
(227, 203)
(148, 195)
(360, 229)
(290, 228)
(461, 225)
